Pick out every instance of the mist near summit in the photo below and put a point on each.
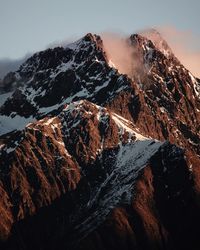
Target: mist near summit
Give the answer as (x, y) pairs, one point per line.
(184, 44)
(9, 65)
(118, 51)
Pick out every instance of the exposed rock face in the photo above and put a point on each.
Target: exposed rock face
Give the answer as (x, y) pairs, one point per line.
(163, 214)
(166, 101)
(79, 71)
(79, 168)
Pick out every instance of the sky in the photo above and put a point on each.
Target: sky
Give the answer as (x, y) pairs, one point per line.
(30, 25)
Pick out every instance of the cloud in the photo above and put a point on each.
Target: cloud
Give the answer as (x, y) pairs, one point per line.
(185, 45)
(8, 65)
(118, 51)
(62, 43)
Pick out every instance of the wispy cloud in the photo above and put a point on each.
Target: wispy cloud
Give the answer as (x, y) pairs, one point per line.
(8, 65)
(185, 45)
(118, 51)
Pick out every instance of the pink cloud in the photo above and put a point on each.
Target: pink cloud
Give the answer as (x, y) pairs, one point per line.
(185, 45)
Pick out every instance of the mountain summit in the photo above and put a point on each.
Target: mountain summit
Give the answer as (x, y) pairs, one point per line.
(95, 159)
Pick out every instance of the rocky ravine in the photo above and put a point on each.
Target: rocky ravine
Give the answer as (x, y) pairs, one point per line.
(79, 168)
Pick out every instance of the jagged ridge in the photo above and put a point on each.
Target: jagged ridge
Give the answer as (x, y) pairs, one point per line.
(89, 159)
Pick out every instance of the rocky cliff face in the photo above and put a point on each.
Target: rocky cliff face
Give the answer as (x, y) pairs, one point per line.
(87, 154)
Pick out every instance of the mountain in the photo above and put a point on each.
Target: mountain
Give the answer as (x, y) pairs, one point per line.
(95, 159)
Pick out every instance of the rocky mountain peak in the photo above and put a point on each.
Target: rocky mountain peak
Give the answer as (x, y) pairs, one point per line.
(97, 157)
(95, 39)
(152, 39)
(140, 41)
(159, 42)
